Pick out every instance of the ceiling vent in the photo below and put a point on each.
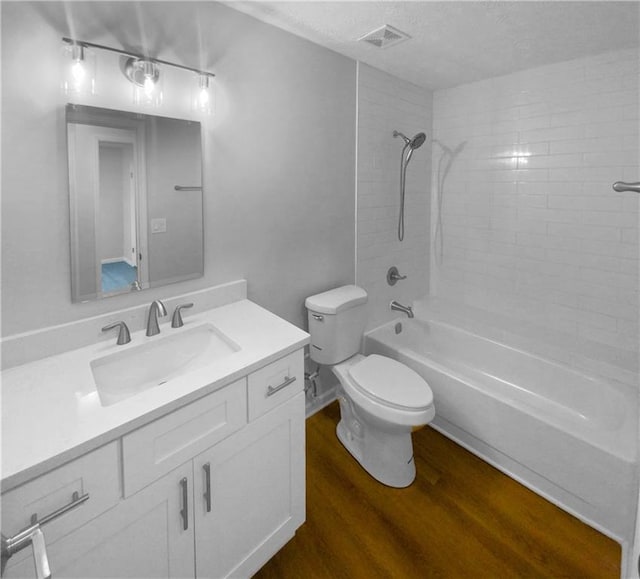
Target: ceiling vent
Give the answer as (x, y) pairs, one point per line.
(384, 36)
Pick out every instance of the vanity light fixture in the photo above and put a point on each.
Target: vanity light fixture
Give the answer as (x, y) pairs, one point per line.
(79, 71)
(202, 98)
(144, 73)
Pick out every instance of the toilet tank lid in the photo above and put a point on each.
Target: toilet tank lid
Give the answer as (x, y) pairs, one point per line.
(336, 300)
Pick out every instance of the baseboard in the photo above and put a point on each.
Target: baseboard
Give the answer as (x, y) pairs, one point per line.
(314, 405)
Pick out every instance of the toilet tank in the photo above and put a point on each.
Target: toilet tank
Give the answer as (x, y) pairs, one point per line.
(337, 320)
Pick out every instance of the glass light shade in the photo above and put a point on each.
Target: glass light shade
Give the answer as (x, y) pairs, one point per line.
(79, 76)
(202, 94)
(147, 82)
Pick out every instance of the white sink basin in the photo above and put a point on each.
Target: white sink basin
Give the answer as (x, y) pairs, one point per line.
(123, 374)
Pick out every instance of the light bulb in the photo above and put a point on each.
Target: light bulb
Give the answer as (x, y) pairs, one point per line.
(78, 74)
(146, 80)
(149, 86)
(203, 98)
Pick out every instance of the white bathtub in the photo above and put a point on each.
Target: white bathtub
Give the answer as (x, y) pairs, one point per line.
(568, 436)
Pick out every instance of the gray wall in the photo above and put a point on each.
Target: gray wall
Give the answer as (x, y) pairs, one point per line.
(279, 164)
(173, 158)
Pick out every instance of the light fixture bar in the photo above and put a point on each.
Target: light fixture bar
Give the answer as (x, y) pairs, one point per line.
(85, 44)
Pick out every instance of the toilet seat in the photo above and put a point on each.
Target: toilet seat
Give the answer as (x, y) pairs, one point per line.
(389, 411)
(391, 383)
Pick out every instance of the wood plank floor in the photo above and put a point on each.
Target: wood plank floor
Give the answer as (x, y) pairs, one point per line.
(460, 518)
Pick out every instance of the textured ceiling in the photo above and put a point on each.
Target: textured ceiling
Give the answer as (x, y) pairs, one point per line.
(455, 42)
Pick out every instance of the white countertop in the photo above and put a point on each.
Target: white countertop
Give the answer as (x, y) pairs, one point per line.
(51, 412)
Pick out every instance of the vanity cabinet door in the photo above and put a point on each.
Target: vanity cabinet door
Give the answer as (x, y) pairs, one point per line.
(257, 486)
(143, 536)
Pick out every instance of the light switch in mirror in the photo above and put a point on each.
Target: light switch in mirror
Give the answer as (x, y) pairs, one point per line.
(136, 201)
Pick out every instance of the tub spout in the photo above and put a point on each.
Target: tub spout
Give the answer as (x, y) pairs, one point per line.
(400, 308)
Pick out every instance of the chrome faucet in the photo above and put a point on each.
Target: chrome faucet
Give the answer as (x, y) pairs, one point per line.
(400, 308)
(157, 309)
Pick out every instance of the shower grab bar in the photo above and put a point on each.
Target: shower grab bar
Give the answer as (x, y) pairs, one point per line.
(621, 186)
(187, 188)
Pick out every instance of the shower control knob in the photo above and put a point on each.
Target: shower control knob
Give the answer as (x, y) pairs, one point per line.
(393, 275)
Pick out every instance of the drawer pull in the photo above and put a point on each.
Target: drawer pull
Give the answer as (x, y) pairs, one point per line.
(76, 501)
(271, 390)
(207, 485)
(185, 503)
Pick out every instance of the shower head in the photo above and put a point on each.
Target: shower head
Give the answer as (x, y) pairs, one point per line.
(411, 144)
(414, 143)
(417, 141)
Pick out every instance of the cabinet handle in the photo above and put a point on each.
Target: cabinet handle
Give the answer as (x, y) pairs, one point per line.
(207, 485)
(185, 503)
(76, 500)
(271, 390)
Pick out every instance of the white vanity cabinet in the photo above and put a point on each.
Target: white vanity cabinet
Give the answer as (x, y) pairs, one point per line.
(212, 489)
(139, 537)
(256, 490)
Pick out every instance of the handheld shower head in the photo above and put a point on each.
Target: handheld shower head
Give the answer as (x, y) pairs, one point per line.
(410, 144)
(414, 143)
(417, 141)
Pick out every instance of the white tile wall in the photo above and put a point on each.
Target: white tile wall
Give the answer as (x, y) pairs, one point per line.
(386, 103)
(532, 229)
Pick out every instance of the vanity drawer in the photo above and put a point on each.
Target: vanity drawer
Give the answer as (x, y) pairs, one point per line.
(157, 448)
(275, 383)
(97, 474)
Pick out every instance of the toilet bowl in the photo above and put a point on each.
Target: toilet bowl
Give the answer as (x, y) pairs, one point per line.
(381, 400)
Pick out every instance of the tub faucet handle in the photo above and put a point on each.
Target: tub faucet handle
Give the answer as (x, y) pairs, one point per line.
(393, 275)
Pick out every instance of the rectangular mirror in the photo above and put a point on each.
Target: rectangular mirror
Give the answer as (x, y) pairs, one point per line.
(135, 189)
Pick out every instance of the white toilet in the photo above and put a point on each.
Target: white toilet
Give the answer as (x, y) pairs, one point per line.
(381, 400)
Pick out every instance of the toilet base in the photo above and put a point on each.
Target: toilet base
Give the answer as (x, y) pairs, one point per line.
(384, 451)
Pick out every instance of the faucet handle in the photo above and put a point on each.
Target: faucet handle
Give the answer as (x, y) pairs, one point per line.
(393, 275)
(124, 336)
(176, 319)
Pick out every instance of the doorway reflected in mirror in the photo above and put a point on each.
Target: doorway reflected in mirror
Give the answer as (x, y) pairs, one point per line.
(136, 201)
